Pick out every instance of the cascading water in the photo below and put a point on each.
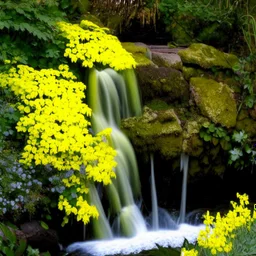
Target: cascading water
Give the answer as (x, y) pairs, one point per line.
(155, 219)
(114, 96)
(110, 98)
(183, 167)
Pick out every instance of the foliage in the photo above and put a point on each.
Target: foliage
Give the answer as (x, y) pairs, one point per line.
(222, 233)
(91, 45)
(245, 76)
(241, 151)
(203, 21)
(28, 32)
(215, 134)
(249, 31)
(11, 245)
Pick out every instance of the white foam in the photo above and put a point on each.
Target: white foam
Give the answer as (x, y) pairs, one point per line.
(143, 241)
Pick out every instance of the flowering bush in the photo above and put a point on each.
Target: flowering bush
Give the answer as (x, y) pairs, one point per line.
(54, 118)
(221, 232)
(91, 45)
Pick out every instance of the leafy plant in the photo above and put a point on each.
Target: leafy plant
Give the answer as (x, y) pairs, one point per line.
(243, 153)
(239, 146)
(10, 245)
(28, 32)
(245, 75)
(215, 134)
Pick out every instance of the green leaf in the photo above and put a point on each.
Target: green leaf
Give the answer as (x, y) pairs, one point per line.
(7, 251)
(44, 225)
(211, 128)
(235, 154)
(239, 136)
(207, 137)
(22, 247)
(8, 233)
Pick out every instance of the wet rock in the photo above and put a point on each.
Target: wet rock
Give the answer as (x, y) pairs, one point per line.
(165, 83)
(215, 100)
(155, 131)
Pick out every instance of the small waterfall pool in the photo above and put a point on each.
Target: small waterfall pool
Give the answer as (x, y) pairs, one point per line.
(112, 97)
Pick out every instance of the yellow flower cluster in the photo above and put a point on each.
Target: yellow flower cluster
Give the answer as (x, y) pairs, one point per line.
(192, 252)
(219, 238)
(90, 44)
(54, 117)
(220, 231)
(82, 209)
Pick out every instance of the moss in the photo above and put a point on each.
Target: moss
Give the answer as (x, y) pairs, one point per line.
(155, 131)
(246, 123)
(139, 53)
(158, 105)
(189, 72)
(207, 56)
(192, 144)
(194, 167)
(165, 83)
(215, 100)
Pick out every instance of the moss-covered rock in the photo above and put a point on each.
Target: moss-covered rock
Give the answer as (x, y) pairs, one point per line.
(165, 83)
(192, 144)
(155, 131)
(207, 56)
(215, 100)
(140, 53)
(247, 123)
(217, 75)
(170, 60)
(189, 72)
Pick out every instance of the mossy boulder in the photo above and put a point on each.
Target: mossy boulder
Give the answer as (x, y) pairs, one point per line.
(155, 131)
(140, 53)
(215, 100)
(165, 83)
(218, 75)
(171, 60)
(207, 56)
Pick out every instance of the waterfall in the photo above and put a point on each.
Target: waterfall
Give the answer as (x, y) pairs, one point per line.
(113, 96)
(184, 160)
(155, 219)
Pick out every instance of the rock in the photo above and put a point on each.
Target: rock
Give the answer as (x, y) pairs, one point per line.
(215, 100)
(140, 53)
(246, 123)
(155, 131)
(170, 60)
(218, 75)
(192, 144)
(165, 83)
(207, 56)
(38, 237)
